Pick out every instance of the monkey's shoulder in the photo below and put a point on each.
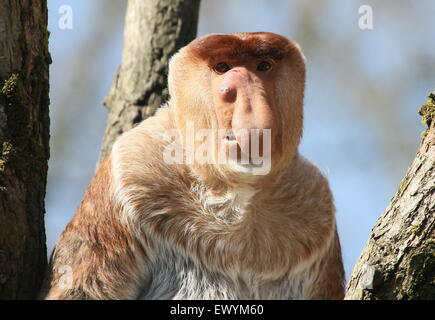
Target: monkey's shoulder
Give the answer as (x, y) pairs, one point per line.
(141, 150)
(303, 177)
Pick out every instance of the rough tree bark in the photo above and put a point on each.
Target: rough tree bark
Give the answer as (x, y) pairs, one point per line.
(398, 260)
(154, 31)
(24, 149)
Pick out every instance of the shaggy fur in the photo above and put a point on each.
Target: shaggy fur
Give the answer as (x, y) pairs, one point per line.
(146, 229)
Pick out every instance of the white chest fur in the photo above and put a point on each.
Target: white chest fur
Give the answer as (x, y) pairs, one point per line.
(229, 207)
(178, 276)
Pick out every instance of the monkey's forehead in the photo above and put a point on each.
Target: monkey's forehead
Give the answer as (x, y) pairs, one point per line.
(257, 44)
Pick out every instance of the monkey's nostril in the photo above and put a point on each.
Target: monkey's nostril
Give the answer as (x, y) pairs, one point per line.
(227, 93)
(224, 89)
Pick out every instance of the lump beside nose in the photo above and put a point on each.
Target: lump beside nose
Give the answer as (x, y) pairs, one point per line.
(233, 81)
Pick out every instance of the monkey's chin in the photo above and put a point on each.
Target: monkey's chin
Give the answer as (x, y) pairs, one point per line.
(249, 169)
(244, 164)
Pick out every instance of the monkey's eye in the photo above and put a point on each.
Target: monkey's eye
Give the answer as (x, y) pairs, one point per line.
(264, 66)
(221, 67)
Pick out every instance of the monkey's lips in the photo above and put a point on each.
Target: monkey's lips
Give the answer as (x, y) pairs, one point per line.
(231, 143)
(229, 136)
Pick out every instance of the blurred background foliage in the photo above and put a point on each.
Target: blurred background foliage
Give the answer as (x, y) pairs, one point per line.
(364, 88)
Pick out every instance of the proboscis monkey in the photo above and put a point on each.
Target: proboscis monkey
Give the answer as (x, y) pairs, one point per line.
(152, 228)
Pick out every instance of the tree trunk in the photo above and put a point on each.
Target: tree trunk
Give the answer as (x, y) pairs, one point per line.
(154, 31)
(398, 260)
(24, 149)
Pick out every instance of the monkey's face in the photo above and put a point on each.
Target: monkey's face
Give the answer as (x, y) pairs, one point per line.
(243, 90)
(248, 88)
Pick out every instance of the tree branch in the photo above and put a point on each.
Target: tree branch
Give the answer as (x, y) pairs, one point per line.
(154, 31)
(398, 260)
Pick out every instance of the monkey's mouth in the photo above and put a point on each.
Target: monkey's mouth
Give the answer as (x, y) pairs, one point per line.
(229, 135)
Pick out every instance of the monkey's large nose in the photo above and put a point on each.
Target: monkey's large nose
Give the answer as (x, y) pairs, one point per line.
(234, 80)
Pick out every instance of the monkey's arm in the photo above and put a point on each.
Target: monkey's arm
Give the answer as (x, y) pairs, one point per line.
(325, 277)
(329, 284)
(97, 256)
